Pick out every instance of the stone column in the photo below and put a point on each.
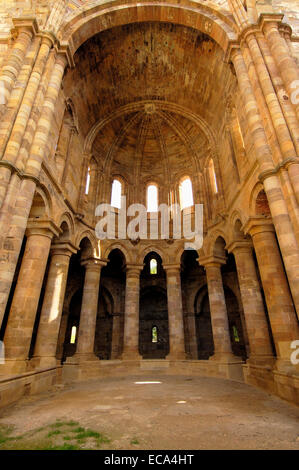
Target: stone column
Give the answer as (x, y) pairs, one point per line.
(89, 310)
(283, 320)
(254, 312)
(49, 324)
(175, 313)
(25, 29)
(282, 56)
(279, 119)
(219, 318)
(279, 211)
(131, 326)
(18, 216)
(23, 309)
(19, 125)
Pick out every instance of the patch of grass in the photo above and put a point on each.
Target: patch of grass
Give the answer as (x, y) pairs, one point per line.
(5, 432)
(78, 430)
(52, 437)
(134, 441)
(71, 423)
(88, 433)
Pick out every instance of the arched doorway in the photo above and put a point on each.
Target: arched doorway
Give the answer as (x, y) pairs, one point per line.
(110, 317)
(153, 310)
(153, 324)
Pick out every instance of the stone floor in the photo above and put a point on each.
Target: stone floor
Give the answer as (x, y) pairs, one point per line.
(166, 412)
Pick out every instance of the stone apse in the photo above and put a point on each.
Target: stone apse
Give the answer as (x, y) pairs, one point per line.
(192, 102)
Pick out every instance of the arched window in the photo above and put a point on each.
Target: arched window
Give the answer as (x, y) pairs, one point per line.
(152, 198)
(87, 183)
(73, 335)
(212, 175)
(154, 334)
(186, 193)
(153, 266)
(116, 194)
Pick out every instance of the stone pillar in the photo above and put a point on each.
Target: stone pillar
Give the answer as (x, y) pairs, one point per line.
(49, 324)
(279, 211)
(19, 126)
(282, 56)
(279, 119)
(18, 216)
(219, 319)
(25, 29)
(89, 311)
(175, 313)
(23, 309)
(131, 326)
(283, 320)
(254, 312)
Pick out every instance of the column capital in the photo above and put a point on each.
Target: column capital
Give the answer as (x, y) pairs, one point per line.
(25, 24)
(42, 227)
(64, 52)
(134, 269)
(268, 19)
(213, 260)
(93, 263)
(258, 224)
(172, 267)
(239, 245)
(63, 248)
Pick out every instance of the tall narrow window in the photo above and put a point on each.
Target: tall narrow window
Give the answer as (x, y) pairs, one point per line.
(154, 334)
(87, 184)
(186, 193)
(240, 133)
(116, 194)
(73, 335)
(153, 266)
(212, 175)
(236, 334)
(152, 198)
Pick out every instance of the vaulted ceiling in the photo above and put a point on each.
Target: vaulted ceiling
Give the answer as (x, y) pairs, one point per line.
(156, 64)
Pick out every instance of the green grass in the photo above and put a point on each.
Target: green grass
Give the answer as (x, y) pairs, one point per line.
(134, 441)
(53, 437)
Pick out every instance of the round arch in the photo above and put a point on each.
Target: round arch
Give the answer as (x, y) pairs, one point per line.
(108, 249)
(86, 22)
(93, 241)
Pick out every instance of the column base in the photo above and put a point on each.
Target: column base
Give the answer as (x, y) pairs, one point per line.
(78, 358)
(131, 356)
(261, 360)
(227, 358)
(43, 362)
(285, 366)
(13, 367)
(176, 356)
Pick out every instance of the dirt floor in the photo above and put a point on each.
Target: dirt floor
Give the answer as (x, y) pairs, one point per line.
(162, 412)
